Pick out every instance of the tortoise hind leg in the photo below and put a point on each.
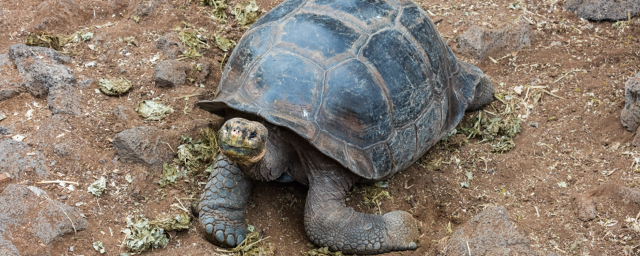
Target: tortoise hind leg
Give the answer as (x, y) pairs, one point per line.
(223, 204)
(329, 223)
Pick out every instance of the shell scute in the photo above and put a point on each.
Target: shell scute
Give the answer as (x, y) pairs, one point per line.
(331, 36)
(354, 107)
(405, 74)
(246, 53)
(403, 146)
(286, 83)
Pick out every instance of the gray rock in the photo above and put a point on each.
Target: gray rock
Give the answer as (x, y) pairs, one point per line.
(603, 9)
(489, 233)
(479, 42)
(145, 8)
(44, 75)
(62, 150)
(7, 248)
(21, 54)
(63, 99)
(170, 73)
(4, 60)
(170, 45)
(25, 215)
(85, 83)
(613, 196)
(146, 145)
(17, 157)
(6, 94)
(630, 115)
(5, 130)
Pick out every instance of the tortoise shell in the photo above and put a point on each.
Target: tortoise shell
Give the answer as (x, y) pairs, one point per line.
(370, 83)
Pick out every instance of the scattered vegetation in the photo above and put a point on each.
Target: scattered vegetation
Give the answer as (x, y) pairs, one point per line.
(114, 86)
(223, 43)
(144, 234)
(499, 130)
(324, 251)
(219, 7)
(45, 39)
(193, 40)
(246, 13)
(56, 41)
(253, 245)
(97, 245)
(373, 194)
(153, 111)
(194, 155)
(98, 187)
(170, 174)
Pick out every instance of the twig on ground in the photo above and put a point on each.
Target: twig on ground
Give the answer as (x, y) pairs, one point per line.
(57, 181)
(572, 71)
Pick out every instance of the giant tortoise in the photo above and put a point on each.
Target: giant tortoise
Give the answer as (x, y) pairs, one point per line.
(330, 93)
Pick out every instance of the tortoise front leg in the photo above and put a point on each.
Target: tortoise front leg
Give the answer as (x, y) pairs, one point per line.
(329, 223)
(223, 204)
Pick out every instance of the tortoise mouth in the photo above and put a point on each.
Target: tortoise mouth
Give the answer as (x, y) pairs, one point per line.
(239, 154)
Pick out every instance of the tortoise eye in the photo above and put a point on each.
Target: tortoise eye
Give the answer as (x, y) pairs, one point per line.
(252, 135)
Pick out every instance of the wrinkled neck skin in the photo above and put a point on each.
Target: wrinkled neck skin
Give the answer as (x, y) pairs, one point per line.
(279, 155)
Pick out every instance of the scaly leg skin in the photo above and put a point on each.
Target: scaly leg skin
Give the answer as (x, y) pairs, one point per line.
(223, 204)
(329, 223)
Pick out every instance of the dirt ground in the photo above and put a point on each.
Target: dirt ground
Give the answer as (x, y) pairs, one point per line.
(571, 134)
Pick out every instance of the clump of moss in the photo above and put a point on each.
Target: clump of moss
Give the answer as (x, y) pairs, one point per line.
(82, 36)
(46, 39)
(170, 174)
(144, 234)
(56, 41)
(175, 222)
(192, 39)
(497, 130)
(432, 165)
(224, 43)
(195, 154)
(115, 86)
(246, 13)
(153, 111)
(98, 187)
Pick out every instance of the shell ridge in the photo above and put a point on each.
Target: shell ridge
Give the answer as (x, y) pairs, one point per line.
(383, 87)
(301, 56)
(321, 104)
(359, 55)
(322, 10)
(252, 66)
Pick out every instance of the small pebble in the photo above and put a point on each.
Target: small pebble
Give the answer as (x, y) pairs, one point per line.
(534, 124)
(71, 248)
(101, 161)
(491, 171)
(63, 198)
(4, 177)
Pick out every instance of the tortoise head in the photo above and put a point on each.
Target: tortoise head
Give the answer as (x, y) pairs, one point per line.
(243, 141)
